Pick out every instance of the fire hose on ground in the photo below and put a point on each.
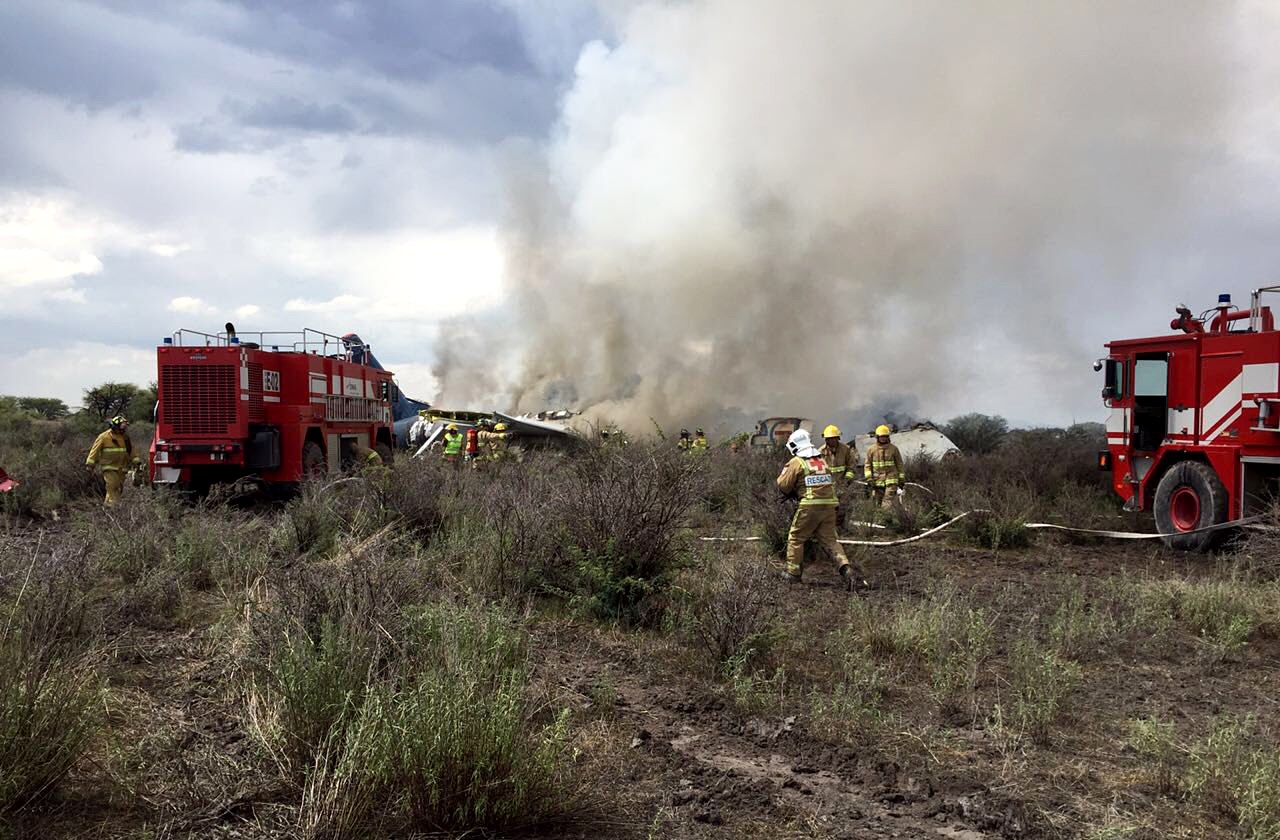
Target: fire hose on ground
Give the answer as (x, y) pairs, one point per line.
(1248, 521)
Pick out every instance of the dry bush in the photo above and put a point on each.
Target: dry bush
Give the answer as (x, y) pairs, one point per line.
(769, 509)
(1258, 556)
(414, 494)
(729, 479)
(618, 511)
(733, 608)
(1033, 474)
(50, 695)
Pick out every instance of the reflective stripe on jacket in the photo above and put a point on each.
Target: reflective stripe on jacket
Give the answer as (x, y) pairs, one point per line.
(884, 465)
(111, 450)
(809, 479)
(841, 461)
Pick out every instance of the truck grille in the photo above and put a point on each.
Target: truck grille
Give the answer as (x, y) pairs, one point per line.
(257, 412)
(199, 399)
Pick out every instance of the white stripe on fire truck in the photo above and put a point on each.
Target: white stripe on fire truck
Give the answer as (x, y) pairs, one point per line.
(1262, 379)
(271, 399)
(1230, 419)
(1216, 410)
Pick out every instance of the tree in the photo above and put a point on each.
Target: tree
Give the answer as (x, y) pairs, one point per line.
(143, 405)
(50, 408)
(110, 399)
(975, 433)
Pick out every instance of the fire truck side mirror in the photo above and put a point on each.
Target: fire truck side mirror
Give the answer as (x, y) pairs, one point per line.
(1109, 392)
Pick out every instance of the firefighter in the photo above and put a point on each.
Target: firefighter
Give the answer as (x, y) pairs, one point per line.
(112, 454)
(366, 461)
(452, 444)
(498, 441)
(883, 470)
(842, 462)
(471, 450)
(685, 443)
(699, 445)
(807, 478)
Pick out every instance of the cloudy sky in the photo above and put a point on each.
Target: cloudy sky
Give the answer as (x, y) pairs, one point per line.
(483, 174)
(279, 164)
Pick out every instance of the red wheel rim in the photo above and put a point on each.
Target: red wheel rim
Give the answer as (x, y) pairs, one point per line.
(1184, 509)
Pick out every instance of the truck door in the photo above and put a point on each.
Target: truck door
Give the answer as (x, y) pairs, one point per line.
(1150, 400)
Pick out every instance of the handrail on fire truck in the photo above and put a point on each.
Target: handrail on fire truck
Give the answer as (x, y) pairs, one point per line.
(306, 341)
(1255, 308)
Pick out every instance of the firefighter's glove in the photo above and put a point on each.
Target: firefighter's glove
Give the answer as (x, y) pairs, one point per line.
(902, 491)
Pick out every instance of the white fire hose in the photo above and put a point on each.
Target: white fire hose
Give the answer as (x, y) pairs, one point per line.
(1248, 521)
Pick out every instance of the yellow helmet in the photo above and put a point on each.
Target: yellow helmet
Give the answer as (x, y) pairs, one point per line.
(452, 427)
(882, 430)
(831, 431)
(501, 427)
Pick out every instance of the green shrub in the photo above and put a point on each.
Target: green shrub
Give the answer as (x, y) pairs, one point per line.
(1221, 614)
(852, 708)
(1157, 744)
(1078, 626)
(1231, 774)
(957, 653)
(1042, 681)
(441, 736)
(996, 531)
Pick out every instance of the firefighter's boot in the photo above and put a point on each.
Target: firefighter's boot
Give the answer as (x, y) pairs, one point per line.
(853, 580)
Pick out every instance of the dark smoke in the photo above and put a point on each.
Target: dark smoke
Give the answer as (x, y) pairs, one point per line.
(828, 207)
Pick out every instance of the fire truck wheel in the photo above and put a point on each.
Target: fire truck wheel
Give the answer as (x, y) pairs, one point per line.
(313, 465)
(1189, 497)
(384, 452)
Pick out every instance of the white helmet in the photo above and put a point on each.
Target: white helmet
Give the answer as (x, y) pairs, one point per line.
(799, 444)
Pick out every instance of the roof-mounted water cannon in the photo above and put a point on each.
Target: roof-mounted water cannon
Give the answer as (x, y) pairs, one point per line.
(1186, 322)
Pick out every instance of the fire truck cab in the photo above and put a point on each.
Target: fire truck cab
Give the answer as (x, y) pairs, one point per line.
(275, 407)
(1194, 430)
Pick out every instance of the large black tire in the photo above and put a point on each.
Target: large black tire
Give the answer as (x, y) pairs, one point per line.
(1189, 497)
(314, 466)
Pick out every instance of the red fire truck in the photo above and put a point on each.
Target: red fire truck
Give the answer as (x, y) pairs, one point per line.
(272, 407)
(1194, 430)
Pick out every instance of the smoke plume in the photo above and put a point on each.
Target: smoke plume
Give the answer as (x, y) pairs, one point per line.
(752, 207)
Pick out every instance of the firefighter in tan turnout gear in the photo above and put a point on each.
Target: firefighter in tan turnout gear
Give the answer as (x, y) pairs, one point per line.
(112, 454)
(883, 470)
(807, 477)
(842, 462)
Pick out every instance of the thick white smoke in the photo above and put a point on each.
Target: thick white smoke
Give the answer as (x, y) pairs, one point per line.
(832, 206)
